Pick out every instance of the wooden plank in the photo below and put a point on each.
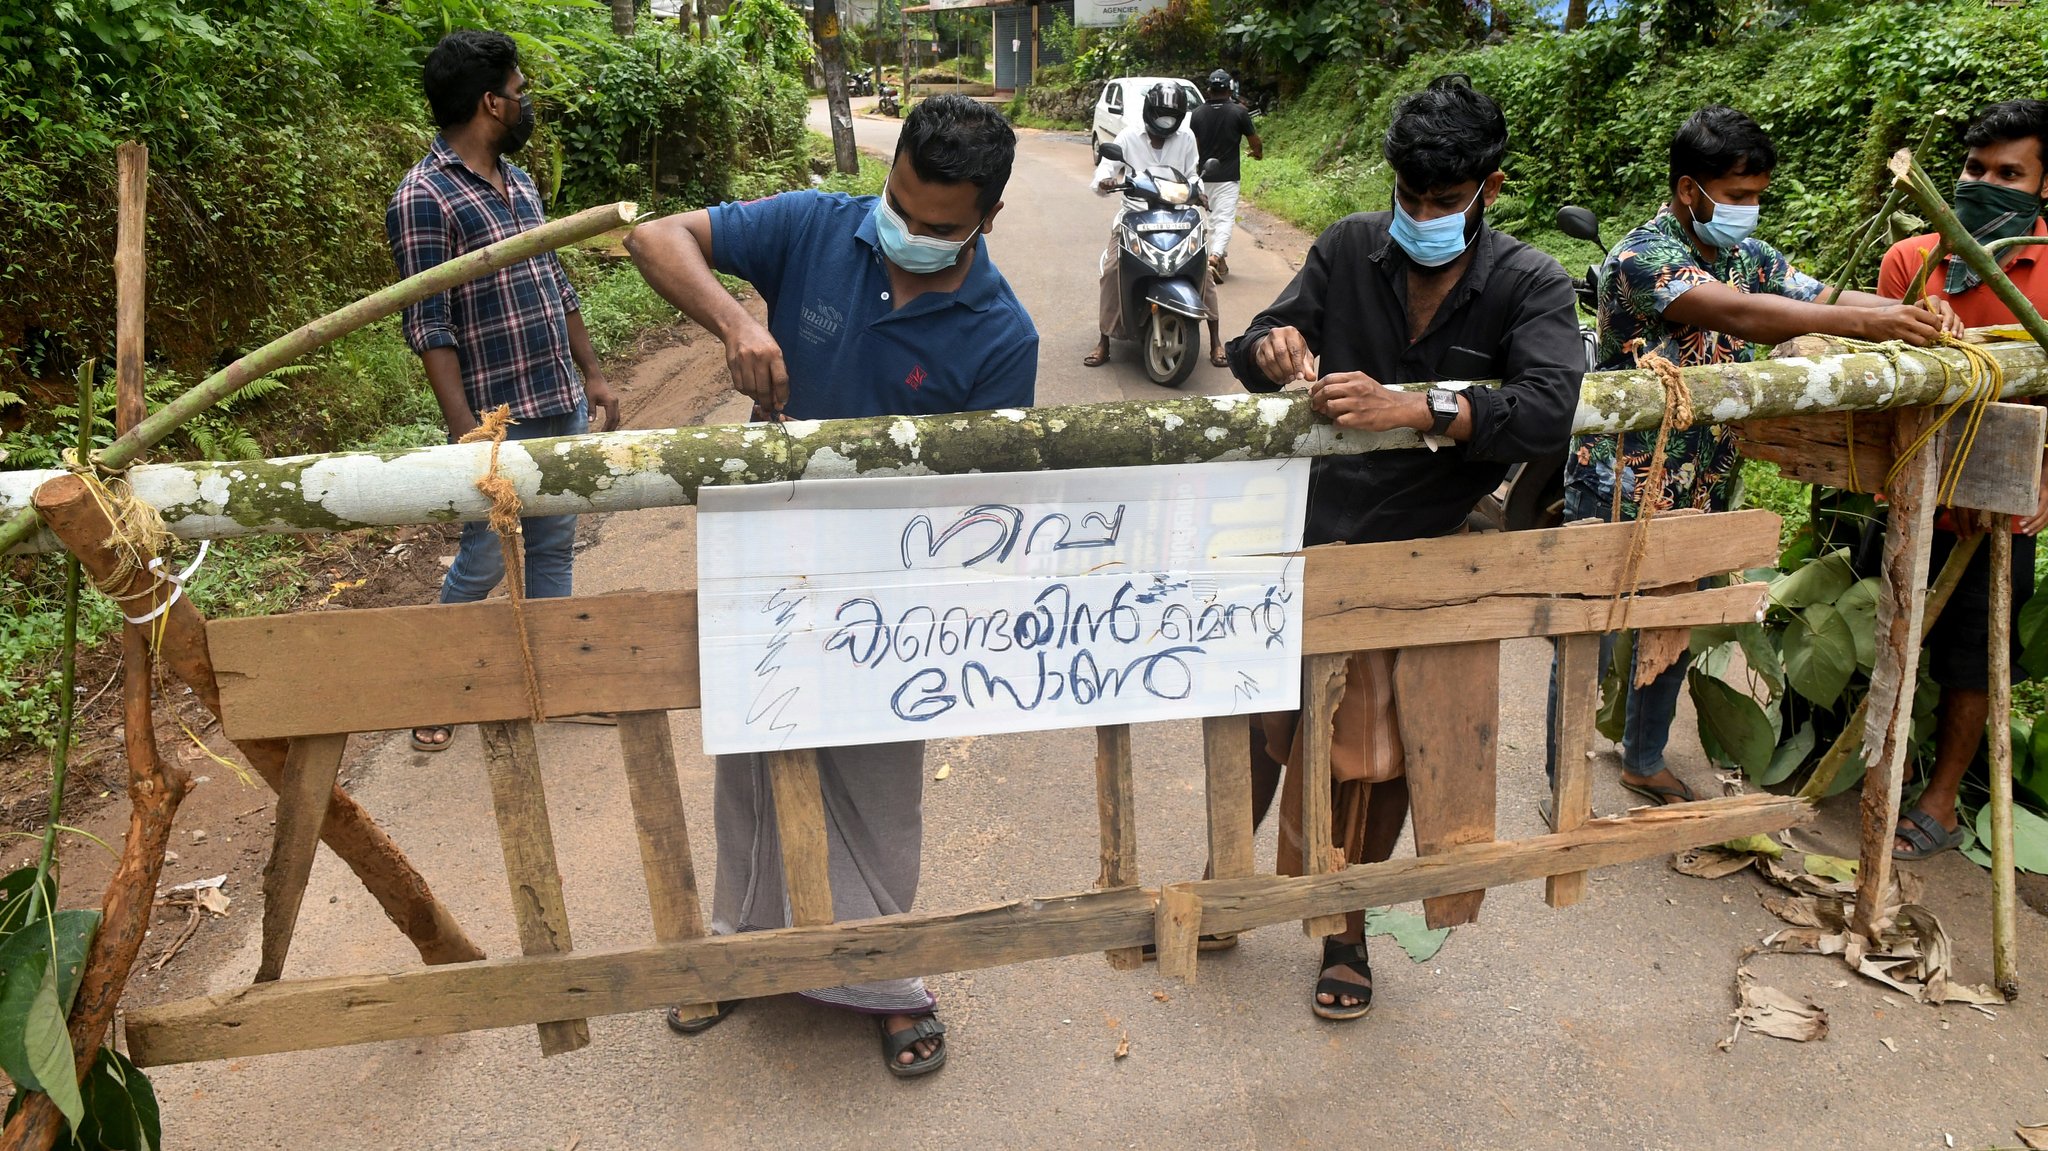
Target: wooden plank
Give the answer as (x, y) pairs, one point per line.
(512, 761)
(2002, 472)
(1177, 931)
(1448, 700)
(800, 825)
(2005, 954)
(637, 651)
(1888, 722)
(657, 800)
(297, 1015)
(1581, 559)
(1116, 808)
(1571, 793)
(131, 275)
(311, 765)
(1227, 766)
(1322, 686)
(632, 651)
(1512, 617)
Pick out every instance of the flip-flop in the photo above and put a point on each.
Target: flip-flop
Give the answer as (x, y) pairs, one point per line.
(1925, 836)
(1660, 795)
(447, 737)
(682, 1026)
(1219, 360)
(1352, 957)
(895, 1043)
(1094, 359)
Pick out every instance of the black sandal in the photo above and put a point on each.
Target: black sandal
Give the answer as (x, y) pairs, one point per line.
(682, 1026)
(1337, 953)
(895, 1043)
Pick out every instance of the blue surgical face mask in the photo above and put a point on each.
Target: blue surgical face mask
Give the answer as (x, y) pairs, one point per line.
(1731, 225)
(918, 255)
(1432, 243)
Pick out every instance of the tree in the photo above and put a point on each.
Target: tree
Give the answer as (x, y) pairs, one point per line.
(623, 14)
(1575, 15)
(832, 57)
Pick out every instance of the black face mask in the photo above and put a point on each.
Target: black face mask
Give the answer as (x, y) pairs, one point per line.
(521, 130)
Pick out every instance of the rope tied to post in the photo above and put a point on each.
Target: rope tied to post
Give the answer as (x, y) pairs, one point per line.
(138, 539)
(504, 520)
(1981, 388)
(1679, 415)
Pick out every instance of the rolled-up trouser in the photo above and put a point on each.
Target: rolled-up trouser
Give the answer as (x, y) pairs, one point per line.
(1222, 216)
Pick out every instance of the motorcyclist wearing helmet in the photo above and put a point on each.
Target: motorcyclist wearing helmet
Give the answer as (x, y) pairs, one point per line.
(1160, 137)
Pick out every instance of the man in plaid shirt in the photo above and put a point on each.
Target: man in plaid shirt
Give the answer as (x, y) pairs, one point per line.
(513, 338)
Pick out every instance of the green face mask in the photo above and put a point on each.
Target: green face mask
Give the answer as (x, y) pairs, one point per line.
(1991, 212)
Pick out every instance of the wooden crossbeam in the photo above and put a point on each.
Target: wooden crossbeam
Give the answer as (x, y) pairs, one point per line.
(512, 761)
(2001, 474)
(296, 1015)
(637, 651)
(311, 765)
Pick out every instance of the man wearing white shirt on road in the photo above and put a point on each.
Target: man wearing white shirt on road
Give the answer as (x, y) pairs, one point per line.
(1160, 137)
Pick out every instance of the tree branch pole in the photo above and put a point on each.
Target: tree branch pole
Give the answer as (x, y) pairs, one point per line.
(832, 62)
(349, 831)
(619, 471)
(1915, 183)
(2005, 961)
(325, 330)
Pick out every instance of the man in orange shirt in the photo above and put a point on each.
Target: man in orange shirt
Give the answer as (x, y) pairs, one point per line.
(1999, 195)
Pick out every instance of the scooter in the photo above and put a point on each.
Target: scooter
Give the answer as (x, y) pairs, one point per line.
(1160, 244)
(860, 84)
(1532, 495)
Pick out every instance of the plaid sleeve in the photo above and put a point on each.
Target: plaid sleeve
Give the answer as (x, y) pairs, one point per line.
(571, 302)
(1782, 279)
(417, 226)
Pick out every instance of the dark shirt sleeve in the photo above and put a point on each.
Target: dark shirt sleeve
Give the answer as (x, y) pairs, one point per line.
(1543, 362)
(1009, 379)
(1299, 305)
(1245, 123)
(417, 227)
(753, 240)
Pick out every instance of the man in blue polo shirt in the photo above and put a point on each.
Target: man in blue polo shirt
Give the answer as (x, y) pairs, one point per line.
(877, 306)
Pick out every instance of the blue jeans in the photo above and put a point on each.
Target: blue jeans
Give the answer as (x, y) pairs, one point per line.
(550, 540)
(1646, 728)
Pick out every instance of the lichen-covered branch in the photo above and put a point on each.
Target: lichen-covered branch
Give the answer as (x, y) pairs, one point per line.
(616, 471)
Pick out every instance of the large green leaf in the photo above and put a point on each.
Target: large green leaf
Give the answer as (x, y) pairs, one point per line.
(2032, 626)
(2029, 838)
(24, 963)
(1820, 654)
(1853, 768)
(1788, 758)
(1740, 727)
(1613, 714)
(47, 1045)
(120, 1107)
(14, 901)
(1858, 605)
(1818, 582)
(1760, 654)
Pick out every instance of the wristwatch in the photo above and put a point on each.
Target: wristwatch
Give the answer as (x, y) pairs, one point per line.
(1443, 410)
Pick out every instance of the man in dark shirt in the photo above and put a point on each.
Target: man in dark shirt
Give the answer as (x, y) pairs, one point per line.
(1424, 294)
(1219, 124)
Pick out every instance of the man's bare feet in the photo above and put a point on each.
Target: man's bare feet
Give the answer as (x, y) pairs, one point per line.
(1099, 356)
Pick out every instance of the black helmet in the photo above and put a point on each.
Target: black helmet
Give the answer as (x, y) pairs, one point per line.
(1166, 105)
(1219, 80)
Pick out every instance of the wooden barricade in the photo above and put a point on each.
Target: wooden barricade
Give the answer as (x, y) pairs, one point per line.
(1447, 603)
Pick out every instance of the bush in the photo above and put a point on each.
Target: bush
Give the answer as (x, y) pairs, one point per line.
(1061, 104)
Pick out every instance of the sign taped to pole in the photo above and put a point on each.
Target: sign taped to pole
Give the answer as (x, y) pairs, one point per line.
(843, 612)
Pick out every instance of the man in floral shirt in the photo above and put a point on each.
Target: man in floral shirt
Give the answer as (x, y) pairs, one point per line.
(1695, 287)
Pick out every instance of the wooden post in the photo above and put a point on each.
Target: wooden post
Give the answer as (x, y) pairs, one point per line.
(1116, 807)
(657, 799)
(2005, 965)
(1322, 686)
(1227, 764)
(1448, 700)
(1888, 727)
(1571, 793)
(800, 825)
(1034, 41)
(1177, 931)
(130, 282)
(78, 520)
(512, 761)
(311, 766)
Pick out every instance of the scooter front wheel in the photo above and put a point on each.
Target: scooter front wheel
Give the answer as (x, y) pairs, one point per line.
(1169, 343)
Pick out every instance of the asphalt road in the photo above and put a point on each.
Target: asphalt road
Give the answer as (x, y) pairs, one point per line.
(1593, 1026)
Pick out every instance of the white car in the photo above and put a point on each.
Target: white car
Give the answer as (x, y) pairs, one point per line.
(1122, 99)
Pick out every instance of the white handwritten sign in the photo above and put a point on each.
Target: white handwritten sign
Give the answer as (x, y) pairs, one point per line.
(839, 612)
